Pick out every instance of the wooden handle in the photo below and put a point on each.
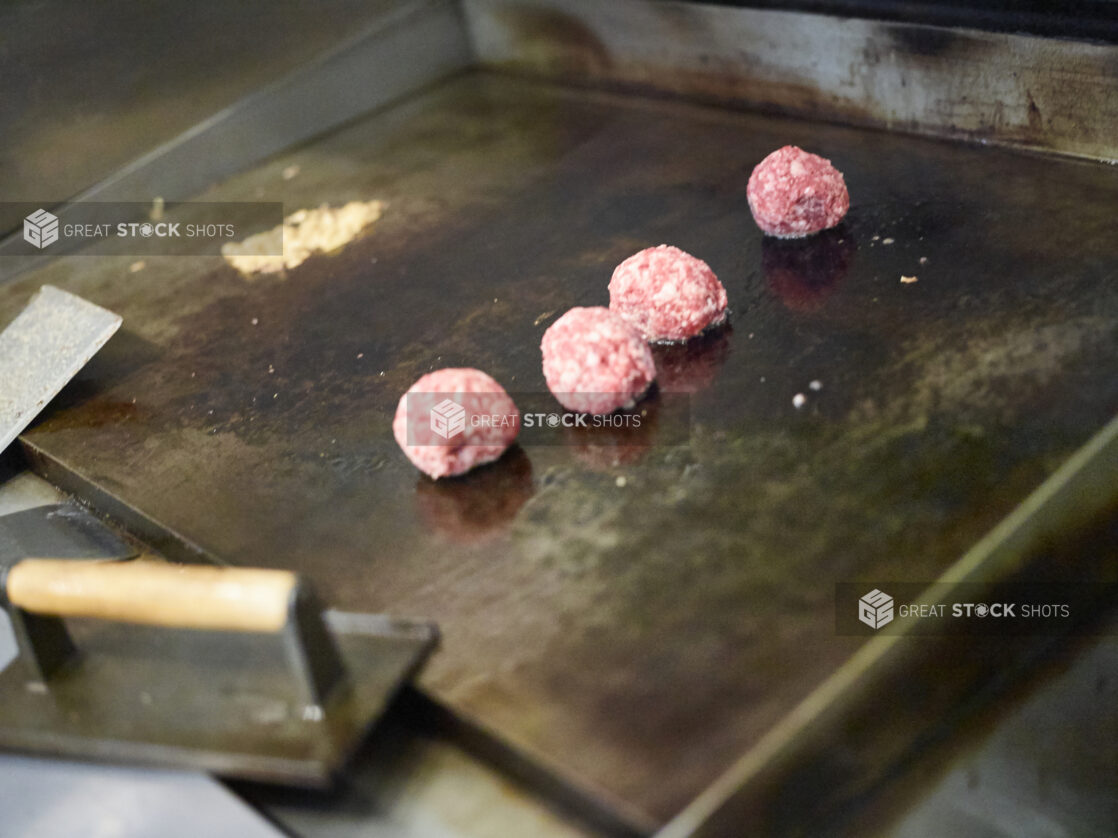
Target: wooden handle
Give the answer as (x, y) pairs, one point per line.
(154, 593)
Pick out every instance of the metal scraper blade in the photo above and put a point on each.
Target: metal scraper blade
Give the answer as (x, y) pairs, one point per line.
(59, 531)
(42, 349)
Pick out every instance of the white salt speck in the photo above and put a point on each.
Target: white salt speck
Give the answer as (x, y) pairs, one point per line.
(762, 379)
(360, 355)
(875, 238)
(816, 385)
(799, 400)
(271, 369)
(887, 241)
(290, 172)
(620, 481)
(256, 321)
(923, 260)
(136, 267)
(275, 395)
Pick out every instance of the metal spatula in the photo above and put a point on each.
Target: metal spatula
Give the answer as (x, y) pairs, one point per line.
(42, 349)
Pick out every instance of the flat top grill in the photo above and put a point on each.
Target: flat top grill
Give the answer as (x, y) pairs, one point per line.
(638, 637)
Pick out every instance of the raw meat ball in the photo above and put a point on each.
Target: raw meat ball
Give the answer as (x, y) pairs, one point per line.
(666, 294)
(793, 193)
(595, 362)
(453, 419)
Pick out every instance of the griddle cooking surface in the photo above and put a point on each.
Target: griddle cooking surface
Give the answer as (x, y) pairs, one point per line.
(640, 636)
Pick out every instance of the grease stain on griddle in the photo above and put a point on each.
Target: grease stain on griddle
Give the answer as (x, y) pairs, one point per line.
(929, 41)
(561, 41)
(480, 505)
(803, 273)
(1036, 121)
(694, 365)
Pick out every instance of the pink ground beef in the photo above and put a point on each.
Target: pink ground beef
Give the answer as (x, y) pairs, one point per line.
(667, 294)
(793, 193)
(595, 362)
(480, 441)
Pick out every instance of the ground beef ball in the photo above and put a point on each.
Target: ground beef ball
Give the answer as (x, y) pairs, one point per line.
(595, 362)
(666, 294)
(793, 193)
(454, 419)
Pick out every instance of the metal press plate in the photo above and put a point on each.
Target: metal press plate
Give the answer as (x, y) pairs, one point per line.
(222, 702)
(636, 639)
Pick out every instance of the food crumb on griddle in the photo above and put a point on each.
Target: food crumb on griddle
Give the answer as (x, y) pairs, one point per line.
(620, 482)
(302, 234)
(908, 280)
(887, 241)
(799, 400)
(816, 385)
